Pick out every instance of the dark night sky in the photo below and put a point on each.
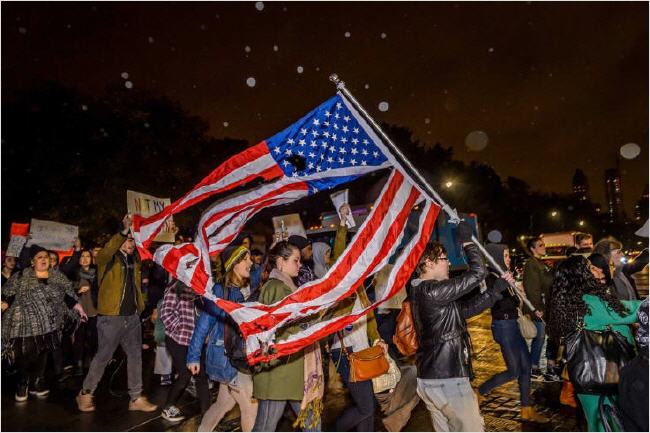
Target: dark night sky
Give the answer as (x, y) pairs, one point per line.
(554, 86)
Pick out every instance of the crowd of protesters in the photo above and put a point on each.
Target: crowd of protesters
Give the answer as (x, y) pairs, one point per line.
(76, 313)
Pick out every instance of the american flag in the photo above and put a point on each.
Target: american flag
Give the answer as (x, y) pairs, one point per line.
(331, 145)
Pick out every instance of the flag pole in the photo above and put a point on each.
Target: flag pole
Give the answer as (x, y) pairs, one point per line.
(422, 182)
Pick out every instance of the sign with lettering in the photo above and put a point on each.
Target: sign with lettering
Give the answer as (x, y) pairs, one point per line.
(145, 205)
(52, 235)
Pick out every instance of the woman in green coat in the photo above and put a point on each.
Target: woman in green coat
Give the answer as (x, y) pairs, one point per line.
(579, 297)
(282, 380)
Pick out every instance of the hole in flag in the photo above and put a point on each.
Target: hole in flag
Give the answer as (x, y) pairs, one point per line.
(297, 161)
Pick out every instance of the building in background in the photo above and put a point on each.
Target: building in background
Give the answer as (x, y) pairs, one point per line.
(641, 206)
(580, 186)
(614, 195)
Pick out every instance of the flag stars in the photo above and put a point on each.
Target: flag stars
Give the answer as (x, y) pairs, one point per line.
(285, 163)
(316, 122)
(333, 137)
(365, 141)
(322, 156)
(341, 161)
(345, 128)
(342, 150)
(310, 165)
(324, 145)
(355, 141)
(364, 152)
(344, 140)
(346, 118)
(354, 151)
(302, 142)
(338, 105)
(303, 131)
(336, 116)
(318, 169)
(328, 114)
(301, 153)
(336, 126)
(312, 155)
(314, 133)
(363, 162)
(288, 152)
(326, 123)
(355, 130)
(313, 143)
(353, 161)
(326, 134)
(290, 141)
(330, 159)
(276, 150)
(375, 154)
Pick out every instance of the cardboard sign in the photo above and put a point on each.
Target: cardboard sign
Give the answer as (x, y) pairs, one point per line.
(16, 244)
(146, 205)
(340, 198)
(288, 225)
(53, 235)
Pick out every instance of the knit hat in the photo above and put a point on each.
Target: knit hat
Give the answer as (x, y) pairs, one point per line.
(231, 254)
(299, 241)
(35, 249)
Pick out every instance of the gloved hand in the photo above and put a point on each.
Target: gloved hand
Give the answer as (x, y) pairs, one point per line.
(464, 232)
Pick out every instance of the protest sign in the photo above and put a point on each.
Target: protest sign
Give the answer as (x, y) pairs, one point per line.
(52, 235)
(290, 224)
(18, 229)
(340, 198)
(16, 244)
(145, 205)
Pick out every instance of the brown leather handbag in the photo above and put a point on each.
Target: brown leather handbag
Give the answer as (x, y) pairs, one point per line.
(366, 364)
(405, 338)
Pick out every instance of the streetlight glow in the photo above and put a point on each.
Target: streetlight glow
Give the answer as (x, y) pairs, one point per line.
(581, 223)
(554, 213)
(449, 184)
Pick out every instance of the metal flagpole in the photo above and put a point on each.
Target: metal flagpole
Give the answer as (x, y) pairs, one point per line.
(422, 182)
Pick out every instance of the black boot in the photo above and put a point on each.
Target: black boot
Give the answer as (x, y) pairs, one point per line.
(21, 391)
(38, 388)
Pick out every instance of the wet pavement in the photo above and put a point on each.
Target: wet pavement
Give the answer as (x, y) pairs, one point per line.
(58, 411)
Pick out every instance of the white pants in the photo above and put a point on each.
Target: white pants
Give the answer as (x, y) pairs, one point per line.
(238, 391)
(452, 404)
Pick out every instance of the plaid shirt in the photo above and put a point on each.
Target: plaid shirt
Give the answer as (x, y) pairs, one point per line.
(177, 313)
(305, 275)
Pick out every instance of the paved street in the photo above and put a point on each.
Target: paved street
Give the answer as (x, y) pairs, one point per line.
(58, 411)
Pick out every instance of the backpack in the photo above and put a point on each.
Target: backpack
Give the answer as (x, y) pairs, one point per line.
(406, 338)
(233, 342)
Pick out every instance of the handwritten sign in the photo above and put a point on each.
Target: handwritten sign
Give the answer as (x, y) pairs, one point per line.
(340, 198)
(16, 244)
(52, 235)
(145, 205)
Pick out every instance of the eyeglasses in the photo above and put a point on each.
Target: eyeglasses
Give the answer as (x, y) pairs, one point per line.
(443, 258)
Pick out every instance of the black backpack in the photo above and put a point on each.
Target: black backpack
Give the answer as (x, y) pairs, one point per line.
(233, 342)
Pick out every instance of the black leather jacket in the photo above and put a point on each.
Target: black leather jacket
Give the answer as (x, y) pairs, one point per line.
(444, 344)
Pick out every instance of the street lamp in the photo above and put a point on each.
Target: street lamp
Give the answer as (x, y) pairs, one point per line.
(554, 213)
(449, 184)
(581, 223)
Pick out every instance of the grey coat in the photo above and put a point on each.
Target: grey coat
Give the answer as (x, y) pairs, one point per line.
(36, 308)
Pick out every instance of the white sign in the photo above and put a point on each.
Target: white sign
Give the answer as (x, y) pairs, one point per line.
(340, 198)
(52, 235)
(146, 205)
(288, 225)
(16, 244)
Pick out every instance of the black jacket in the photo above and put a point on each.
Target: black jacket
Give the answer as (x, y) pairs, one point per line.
(444, 343)
(507, 307)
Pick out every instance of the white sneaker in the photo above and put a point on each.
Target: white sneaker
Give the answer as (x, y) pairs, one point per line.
(172, 414)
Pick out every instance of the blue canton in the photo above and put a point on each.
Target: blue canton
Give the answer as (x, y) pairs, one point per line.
(327, 138)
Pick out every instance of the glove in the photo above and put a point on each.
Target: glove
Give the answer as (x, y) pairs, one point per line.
(464, 232)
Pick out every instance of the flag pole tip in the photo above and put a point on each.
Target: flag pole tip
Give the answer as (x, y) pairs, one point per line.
(334, 78)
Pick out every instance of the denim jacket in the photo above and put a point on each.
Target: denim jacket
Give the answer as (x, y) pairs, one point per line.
(211, 323)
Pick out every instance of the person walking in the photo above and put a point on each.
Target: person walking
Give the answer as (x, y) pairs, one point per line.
(31, 322)
(177, 314)
(537, 280)
(119, 305)
(235, 386)
(505, 330)
(282, 381)
(579, 299)
(443, 357)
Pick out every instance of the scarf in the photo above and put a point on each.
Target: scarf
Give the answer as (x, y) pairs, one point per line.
(318, 256)
(312, 400)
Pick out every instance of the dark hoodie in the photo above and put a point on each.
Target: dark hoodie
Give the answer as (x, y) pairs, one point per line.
(505, 308)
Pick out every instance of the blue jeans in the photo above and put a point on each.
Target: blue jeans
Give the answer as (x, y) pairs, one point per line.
(537, 344)
(360, 416)
(269, 413)
(515, 354)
